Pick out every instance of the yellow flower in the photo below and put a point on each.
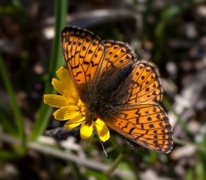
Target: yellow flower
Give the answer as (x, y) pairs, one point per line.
(72, 109)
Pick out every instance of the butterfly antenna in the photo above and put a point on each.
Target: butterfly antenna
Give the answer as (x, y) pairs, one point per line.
(105, 153)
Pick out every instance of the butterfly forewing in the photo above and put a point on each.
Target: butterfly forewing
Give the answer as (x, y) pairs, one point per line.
(145, 86)
(83, 52)
(118, 54)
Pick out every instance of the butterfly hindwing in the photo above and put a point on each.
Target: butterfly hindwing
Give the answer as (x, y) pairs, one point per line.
(146, 125)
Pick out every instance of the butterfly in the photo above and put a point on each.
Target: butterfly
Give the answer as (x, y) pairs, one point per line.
(117, 88)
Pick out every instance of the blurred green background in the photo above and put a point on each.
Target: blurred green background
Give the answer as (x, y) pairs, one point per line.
(170, 33)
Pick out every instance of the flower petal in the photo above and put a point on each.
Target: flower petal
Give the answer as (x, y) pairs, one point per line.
(102, 130)
(55, 100)
(66, 113)
(65, 78)
(64, 90)
(76, 121)
(58, 86)
(85, 130)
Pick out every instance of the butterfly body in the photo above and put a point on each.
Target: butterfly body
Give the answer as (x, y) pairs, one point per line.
(118, 89)
(104, 97)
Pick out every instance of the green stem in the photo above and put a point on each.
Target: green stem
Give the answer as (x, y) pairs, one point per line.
(179, 118)
(197, 146)
(55, 62)
(114, 166)
(15, 107)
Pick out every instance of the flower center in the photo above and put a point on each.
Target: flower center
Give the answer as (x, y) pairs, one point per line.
(81, 107)
(90, 117)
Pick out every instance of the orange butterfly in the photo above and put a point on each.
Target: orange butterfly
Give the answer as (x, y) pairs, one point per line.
(118, 89)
